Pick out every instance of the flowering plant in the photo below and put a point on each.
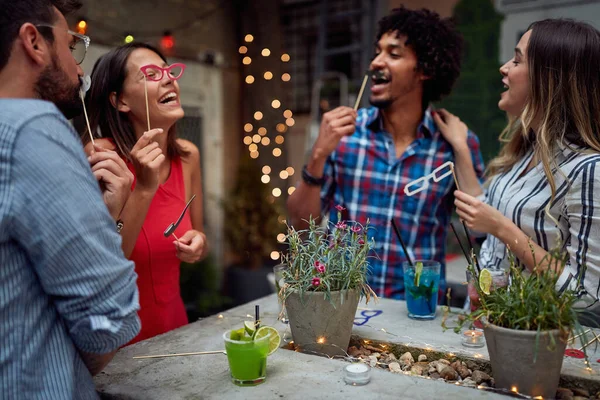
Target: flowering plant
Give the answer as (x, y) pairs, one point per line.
(326, 260)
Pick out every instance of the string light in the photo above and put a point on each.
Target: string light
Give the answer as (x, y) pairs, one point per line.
(249, 79)
(283, 174)
(286, 77)
(281, 128)
(258, 115)
(285, 57)
(274, 255)
(287, 114)
(321, 340)
(262, 131)
(129, 39)
(276, 152)
(291, 190)
(268, 75)
(513, 389)
(275, 103)
(290, 171)
(254, 154)
(247, 140)
(276, 192)
(265, 179)
(265, 141)
(168, 41)
(290, 122)
(266, 169)
(253, 147)
(248, 127)
(265, 52)
(82, 26)
(220, 316)
(248, 38)
(256, 138)
(279, 139)
(281, 237)
(243, 49)
(246, 60)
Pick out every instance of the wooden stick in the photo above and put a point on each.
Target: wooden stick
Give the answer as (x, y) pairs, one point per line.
(360, 92)
(463, 222)
(146, 94)
(87, 121)
(197, 353)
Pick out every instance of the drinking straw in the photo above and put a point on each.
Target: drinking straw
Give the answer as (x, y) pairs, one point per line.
(410, 261)
(256, 317)
(360, 92)
(469, 259)
(197, 353)
(463, 223)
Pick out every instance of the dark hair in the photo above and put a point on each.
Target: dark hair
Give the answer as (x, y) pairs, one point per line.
(15, 13)
(108, 76)
(563, 57)
(436, 42)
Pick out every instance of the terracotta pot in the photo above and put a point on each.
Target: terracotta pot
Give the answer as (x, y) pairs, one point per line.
(512, 354)
(320, 325)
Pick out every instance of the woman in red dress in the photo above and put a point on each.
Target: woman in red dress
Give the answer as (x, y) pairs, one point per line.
(166, 169)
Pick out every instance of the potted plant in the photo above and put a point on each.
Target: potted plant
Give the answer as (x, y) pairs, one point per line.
(325, 279)
(526, 326)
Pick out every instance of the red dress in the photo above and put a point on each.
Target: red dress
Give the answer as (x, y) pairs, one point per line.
(156, 262)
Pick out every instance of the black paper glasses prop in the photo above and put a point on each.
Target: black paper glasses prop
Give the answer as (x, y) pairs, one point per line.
(171, 228)
(155, 73)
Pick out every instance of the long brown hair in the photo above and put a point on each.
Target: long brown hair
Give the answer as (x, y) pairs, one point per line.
(563, 59)
(108, 76)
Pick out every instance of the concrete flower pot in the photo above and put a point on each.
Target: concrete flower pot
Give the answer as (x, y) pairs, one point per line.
(320, 327)
(512, 355)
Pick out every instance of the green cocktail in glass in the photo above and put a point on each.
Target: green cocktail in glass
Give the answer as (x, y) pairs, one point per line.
(247, 357)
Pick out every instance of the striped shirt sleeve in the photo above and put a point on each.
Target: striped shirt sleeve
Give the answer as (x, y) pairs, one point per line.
(583, 213)
(71, 239)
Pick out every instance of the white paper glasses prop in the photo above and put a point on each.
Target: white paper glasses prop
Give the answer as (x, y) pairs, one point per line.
(441, 172)
(86, 82)
(155, 73)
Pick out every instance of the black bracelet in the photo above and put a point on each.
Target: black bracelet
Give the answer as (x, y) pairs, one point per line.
(311, 180)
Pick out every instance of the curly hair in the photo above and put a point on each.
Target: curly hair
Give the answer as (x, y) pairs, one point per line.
(436, 42)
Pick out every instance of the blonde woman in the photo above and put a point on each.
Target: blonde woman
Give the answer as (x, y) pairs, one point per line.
(542, 186)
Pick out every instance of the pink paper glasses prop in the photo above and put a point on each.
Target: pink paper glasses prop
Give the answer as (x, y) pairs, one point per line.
(155, 73)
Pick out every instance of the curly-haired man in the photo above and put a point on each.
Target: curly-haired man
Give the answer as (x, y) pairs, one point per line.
(363, 160)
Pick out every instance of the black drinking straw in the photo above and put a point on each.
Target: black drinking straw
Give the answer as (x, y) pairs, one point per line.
(402, 243)
(256, 317)
(467, 256)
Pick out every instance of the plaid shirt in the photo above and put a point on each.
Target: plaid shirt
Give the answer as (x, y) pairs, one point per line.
(364, 175)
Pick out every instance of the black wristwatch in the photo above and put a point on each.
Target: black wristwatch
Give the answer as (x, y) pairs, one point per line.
(311, 180)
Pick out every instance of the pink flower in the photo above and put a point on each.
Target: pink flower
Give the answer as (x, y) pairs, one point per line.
(316, 281)
(341, 225)
(339, 208)
(356, 229)
(361, 241)
(320, 267)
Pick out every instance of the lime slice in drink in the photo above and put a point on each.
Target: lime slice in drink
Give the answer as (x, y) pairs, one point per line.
(485, 280)
(237, 334)
(249, 327)
(418, 271)
(274, 340)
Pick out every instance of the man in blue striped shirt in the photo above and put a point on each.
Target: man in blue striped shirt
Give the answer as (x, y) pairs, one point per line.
(68, 297)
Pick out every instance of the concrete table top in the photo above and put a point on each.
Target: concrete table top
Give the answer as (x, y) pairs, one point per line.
(290, 374)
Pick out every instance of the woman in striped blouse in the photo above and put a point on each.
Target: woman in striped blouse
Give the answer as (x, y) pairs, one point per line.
(542, 185)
